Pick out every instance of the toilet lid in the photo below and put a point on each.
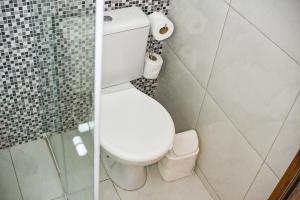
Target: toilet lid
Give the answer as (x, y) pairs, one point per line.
(135, 127)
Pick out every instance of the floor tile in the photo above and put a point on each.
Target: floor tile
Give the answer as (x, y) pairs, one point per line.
(59, 198)
(9, 189)
(57, 145)
(155, 188)
(86, 194)
(107, 192)
(88, 141)
(78, 170)
(103, 174)
(36, 172)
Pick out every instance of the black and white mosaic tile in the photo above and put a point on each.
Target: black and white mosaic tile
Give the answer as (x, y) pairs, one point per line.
(46, 65)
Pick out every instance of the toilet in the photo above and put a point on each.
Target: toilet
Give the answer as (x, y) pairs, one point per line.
(136, 130)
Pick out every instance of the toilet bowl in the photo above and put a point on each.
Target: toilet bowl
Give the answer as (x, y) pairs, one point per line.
(136, 131)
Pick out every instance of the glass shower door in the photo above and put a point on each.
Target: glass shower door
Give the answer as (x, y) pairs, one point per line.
(64, 31)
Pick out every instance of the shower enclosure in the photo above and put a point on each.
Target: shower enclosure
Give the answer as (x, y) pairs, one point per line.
(47, 90)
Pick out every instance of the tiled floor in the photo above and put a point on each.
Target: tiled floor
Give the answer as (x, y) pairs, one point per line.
(31, 168)
(27, 172)
(190, 188)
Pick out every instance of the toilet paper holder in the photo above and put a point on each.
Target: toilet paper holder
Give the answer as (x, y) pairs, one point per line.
(160, 24)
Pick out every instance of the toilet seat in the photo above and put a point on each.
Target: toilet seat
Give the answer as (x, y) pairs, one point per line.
(135, 128)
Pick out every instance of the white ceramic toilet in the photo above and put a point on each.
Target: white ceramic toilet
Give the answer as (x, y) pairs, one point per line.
(136, 130)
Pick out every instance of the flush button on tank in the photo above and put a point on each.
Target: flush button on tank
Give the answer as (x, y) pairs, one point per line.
(107, 18)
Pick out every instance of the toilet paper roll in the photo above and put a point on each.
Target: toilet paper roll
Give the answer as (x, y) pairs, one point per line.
(152, 66)
(161, 27)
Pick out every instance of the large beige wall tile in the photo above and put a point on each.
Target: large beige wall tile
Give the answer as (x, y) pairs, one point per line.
(227, 160)
(279, 20)
(254, 82)
(287, 143)
(198, 27)
(263, 185)
(179, 92)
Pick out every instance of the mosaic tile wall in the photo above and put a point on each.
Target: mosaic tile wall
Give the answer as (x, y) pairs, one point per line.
(46, 65)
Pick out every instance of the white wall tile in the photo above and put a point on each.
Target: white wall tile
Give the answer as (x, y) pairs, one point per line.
(287, 143)
(227, 160)
(280, 20)
(198, 27)
(263, 185)
(254, 82)
(179, 92)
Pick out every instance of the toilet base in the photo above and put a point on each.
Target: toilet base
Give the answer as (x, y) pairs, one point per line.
(127, 177)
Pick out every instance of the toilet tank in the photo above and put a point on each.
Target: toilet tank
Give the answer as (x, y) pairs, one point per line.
(124, 46)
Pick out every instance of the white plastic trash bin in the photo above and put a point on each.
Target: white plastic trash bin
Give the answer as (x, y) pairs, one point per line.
(180, 161)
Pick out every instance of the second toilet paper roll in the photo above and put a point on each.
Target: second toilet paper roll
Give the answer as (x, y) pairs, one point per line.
(152, 66)
(161, 27)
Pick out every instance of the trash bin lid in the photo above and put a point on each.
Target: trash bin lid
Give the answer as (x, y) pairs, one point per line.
(185, 143)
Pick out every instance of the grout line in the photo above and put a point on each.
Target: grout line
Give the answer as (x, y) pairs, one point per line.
(266, 163)
(16, 175)
(109, 179)
(50, 148)
(210, 185)
(283, 123)
(270, 168)
(104, 180)
(213, 65)
(193, 77)
(54, 160)
(205, 90)
(185, 67)
(205, 87)
(264, 34)
(78, 191)
(235, 126)
(271, 147)
(253, 180)
(56, 198)
(115, 187)
(243, 136)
